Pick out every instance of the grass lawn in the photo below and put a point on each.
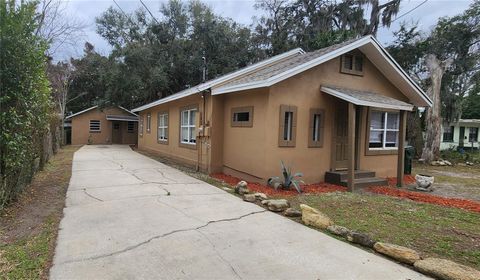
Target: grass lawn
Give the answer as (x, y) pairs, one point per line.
(28, 227)
(432, 230)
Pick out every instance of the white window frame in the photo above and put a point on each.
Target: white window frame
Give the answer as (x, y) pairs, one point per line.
(99, 126)
(162, 132)
(188, 126)
(384, 130)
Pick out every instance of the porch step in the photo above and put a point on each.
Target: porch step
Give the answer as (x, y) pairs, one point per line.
(366, 182)
(336, 177)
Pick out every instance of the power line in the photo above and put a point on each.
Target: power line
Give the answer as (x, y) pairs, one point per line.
(404, 14)
(148, 10)
(125, 14)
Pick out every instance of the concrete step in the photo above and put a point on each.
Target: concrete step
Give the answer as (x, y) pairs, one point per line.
(366, 182)
(336, 177)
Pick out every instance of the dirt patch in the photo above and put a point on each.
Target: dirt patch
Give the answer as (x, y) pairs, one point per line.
(453, 181)
(34, 217)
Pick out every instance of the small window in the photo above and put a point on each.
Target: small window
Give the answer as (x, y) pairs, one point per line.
(187, 126)
(288, 126)
(94, 126)
(352, 63)
(315, 136)
(149, 122)
(448, 132)
(140, 126)
(242, 117)
(384, 129)
(473, 134)
(130, 127)
(162, 132)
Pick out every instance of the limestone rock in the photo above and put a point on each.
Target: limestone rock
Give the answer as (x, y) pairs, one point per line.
(447, 162)
(241, 188)
(402, 254)
(249, 197)
(360, 238)
(276, 205)
(260, 196)
(446, 270)
(290, 212)
(313, 217)
(338, 230)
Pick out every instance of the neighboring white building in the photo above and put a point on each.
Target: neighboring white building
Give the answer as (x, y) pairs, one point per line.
(463, 133)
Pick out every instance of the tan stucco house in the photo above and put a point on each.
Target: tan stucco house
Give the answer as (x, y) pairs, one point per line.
(335, 114)
(112, 125)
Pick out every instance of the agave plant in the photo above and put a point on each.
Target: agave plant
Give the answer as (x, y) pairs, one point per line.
(289, 179)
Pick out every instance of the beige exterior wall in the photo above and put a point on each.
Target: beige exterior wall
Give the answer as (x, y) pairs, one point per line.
(81, 127)
(303, 91)
(253, 152)
(184, 153)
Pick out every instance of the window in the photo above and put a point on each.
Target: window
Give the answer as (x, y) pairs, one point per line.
(140, 124)
(315, 130)
(130, 127)
(352, 63)
(162, 131)
(187, 126)
(242, 117)
(384, 128)
(149, 122)
(448, 133)
(473, 135)
(94, 126)
(288, 126)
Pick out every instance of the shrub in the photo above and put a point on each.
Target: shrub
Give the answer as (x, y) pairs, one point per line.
(289, 179)
(24, 100)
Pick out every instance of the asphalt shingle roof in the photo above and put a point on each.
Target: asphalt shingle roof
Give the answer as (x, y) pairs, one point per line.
(284, 65)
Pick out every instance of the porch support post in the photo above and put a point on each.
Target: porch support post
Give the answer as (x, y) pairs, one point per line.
(351, 147)
(401, 148)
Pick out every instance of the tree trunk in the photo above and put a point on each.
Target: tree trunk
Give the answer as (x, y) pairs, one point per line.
(431, 149)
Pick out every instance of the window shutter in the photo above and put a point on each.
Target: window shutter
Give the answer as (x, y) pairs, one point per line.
(281, 141)
(293, 142)
(311, 142)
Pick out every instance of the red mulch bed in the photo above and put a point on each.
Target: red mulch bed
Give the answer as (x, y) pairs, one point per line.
(428, 198)
(256, 187)
(407, 179)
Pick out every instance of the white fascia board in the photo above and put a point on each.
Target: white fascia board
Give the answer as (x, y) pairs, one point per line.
(301, 68)
(222, 79)
(357, 44)
(359, 102)
(128, 111)
(121, 119)
(402, 72)
(81, 112)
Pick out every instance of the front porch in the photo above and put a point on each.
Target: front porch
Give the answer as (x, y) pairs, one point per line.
(359, 140)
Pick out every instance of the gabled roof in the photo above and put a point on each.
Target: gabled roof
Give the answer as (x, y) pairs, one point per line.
(94, 107)
(286, 65)
(222, 79)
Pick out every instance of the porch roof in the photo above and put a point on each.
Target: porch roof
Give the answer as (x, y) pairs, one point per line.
(122, 118)
(366, 98)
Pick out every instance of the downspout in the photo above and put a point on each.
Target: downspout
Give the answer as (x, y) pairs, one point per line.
(202, 131)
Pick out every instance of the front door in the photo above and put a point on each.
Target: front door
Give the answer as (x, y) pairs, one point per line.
(116, 133)
(341, 136)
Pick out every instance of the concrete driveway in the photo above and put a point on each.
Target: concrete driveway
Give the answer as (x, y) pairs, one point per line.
(131, 217)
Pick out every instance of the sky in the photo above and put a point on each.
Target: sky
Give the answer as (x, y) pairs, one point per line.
(243, 11)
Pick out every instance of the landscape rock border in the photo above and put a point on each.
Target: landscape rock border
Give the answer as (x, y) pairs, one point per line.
(439, 268)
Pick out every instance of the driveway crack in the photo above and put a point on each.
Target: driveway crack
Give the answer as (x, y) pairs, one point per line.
(132, 247)
(96, 198)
